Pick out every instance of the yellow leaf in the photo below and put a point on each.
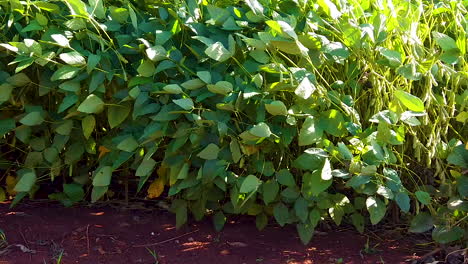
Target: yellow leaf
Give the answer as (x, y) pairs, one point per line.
(162, 171)
(103, 151)
(156, 188)
(249, 149)
(10, 184)
(2, 195)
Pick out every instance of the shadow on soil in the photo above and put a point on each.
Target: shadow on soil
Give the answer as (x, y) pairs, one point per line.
(53, 234)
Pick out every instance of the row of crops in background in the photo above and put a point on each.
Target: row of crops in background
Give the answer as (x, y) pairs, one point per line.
(291, 111)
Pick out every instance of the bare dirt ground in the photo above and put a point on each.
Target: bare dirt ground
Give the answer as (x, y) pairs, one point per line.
(50, 233)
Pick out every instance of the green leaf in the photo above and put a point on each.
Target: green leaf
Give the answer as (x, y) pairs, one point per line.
(332, 122)
(102, 176)
(305, 231)
(393, 57)
(221, 87)
(260, 56)
(180, 209)
(305, 89)
(393, 181)
(336, 213)
(185, 103)
(129, 144)
(67, 102)
(97, 79)
(290, 193)
(98, 192)
(133, 17)
(88, 123)
(24, 64)
(93, 61)
(65, 128)
(376, 209)
(26, 181)
(314, 217)
(459, 156)
(301, 207)
(250, 184)
(193, 84)
(173, 89)
(310, 132)
(270, 191)
(445, 235)
(255, 6)
(61, 40)
(73, 58)
(75, 24)
(5, 92)
(119, 14)
(358, 222)
(98, 8)
(74, 191)
(235, 150)
(261, 221)
(410, 72)
(285, 177)
(70, 86)
(412, 102)
(156, 53)
(358, 180)
(403, 201)
(445, 42)
(50, 154)
(32, 26)
(455, 203)
(64, 73)
(183, 173)
(116, 114)
(450, 57)
(422, 222)
(146, 69)
(462, 186)
(205, 76)
(33, 159)
(281, 214)
(260, 130)
(344, 151)
(92, 104)
(219, 219)
(326, 174)
(210, 152)
(329, 8)
(6, 125)
(313, 185)
(423, 197)
(47, 6)
(218, 52)
(145, 168)
(276, 108)
(18, 80)
(32, 119)
(385, 192)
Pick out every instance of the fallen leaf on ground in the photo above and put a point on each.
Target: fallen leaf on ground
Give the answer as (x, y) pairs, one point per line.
(237, 244)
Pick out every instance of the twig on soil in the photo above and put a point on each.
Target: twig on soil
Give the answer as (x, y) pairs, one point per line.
(87, 238)
(433, 252)
(24, 239)
(167, 240)
(456, 251)
(23, 248)
(26, 243)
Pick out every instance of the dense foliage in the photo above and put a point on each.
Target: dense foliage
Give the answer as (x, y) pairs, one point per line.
(292, 110)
